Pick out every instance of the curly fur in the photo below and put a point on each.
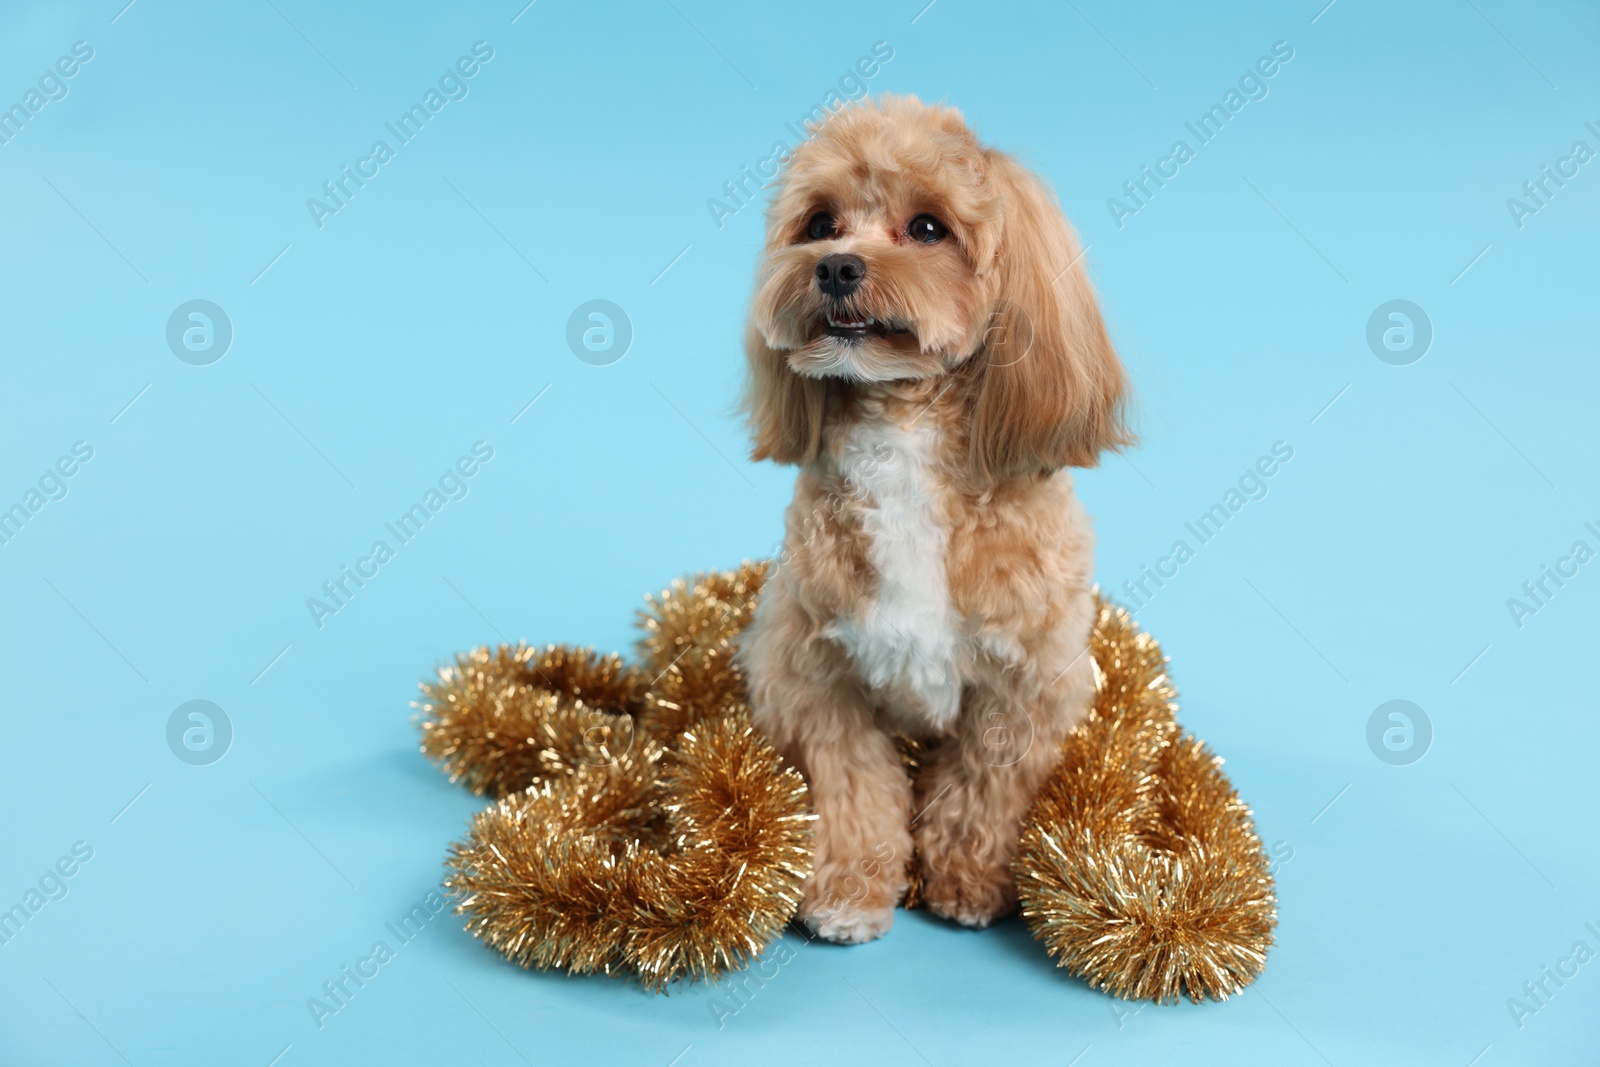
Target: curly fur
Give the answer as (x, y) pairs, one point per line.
(937, 567)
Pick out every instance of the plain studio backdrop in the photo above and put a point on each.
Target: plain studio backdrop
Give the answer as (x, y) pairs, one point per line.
(232, 460)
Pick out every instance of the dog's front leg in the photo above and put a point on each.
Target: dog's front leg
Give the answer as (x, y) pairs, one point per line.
(817, 717)
(977, 786)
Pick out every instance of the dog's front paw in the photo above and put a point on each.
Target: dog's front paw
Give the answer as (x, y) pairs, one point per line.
(849, 924)
(852, 895)
(969, 895)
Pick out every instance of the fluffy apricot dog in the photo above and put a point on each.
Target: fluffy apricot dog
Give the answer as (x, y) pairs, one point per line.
(924, 344)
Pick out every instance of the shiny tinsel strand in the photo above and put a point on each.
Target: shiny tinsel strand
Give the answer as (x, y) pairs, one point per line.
(687, 648)
(665, 865)
(1139, 868)
(499, 720)
(659, 836)
(706, 611)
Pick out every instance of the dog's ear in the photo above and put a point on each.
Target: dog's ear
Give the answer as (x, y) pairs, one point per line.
(784, 409)
(1047, 389)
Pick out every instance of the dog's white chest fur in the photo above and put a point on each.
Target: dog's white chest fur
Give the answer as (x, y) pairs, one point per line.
(906, 640)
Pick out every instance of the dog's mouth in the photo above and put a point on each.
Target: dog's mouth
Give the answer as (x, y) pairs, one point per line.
(850, 324)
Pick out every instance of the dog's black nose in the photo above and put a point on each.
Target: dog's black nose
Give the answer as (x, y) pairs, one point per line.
(840, 273)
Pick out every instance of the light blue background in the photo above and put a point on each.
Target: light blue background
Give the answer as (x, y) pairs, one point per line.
(431, 310)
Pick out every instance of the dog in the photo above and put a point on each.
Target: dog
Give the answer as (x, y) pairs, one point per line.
(923, 343)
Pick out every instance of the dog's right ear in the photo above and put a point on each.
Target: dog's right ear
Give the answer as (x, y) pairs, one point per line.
(784, 409)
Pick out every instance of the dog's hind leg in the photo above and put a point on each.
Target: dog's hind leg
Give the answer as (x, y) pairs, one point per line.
(976, 787)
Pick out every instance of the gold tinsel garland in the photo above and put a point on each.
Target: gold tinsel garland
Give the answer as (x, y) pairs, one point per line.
(643, 827)
(503, 719)
(1139, 868)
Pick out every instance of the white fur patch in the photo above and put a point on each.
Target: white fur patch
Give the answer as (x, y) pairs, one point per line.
(905, 642)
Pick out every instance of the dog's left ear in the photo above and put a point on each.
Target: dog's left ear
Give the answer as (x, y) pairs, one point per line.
(1047, 389)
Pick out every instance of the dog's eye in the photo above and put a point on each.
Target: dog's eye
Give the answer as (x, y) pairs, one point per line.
(927, 229)
(821, 227)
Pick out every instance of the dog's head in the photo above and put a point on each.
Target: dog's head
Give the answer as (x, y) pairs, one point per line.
(899, 247)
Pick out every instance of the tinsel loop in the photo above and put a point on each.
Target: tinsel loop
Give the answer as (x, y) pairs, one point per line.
(1139, 868)
(644, 828)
